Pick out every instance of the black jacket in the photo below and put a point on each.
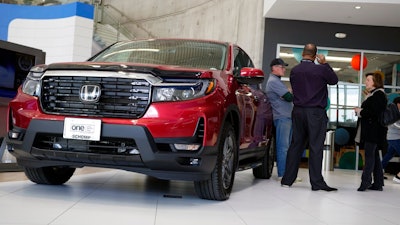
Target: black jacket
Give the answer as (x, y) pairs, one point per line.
(372, 108)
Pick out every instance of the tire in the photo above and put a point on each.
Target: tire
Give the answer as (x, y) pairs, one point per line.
(264, 171)
(219, 186)
(54, 175)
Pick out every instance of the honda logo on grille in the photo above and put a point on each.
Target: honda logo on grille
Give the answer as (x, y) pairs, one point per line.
(90, 93)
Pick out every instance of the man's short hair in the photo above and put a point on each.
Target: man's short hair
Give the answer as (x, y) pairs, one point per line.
(310, 49)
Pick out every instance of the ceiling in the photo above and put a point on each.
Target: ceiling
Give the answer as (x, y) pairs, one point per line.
(372, 12)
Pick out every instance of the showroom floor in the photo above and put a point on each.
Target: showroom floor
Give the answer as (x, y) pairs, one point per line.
(102, 196)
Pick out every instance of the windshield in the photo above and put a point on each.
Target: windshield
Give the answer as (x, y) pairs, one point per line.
(183, 53)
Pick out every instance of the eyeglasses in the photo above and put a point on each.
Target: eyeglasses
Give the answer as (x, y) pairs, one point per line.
(280, 66)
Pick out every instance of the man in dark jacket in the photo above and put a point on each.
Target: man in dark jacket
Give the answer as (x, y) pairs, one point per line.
(309, 84)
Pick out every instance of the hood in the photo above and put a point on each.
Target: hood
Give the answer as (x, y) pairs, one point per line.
(156, 70)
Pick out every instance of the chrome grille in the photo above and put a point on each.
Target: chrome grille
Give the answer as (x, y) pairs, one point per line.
(120, 97)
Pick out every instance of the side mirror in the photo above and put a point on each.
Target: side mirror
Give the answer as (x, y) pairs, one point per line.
(250, 75)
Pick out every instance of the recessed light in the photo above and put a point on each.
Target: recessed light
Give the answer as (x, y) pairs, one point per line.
(340, 35)
(357, 7)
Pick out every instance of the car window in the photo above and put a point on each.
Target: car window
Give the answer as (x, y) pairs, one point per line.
(241, 60)
(182, 53)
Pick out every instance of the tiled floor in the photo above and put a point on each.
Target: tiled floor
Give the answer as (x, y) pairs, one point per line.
(120, 197)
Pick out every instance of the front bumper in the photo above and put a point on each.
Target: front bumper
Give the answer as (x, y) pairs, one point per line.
(39, 146)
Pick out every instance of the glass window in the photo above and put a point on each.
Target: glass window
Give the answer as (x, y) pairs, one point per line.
(241, 60)
(343, 98)
(387, 63)
(184, 53)
(350, 66)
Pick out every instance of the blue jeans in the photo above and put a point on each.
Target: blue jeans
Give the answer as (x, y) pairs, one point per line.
(393, 147)
(283, 137)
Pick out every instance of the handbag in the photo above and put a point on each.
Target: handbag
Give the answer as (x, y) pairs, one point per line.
(390, 115)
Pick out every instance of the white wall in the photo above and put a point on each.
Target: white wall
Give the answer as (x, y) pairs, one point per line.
(238, 21)
(63, 40)
(63, 32)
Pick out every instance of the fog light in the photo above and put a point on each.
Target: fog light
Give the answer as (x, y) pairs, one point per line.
(189, 147)
(134, 152)
(57, 146)
(194, 161)
(13, 135)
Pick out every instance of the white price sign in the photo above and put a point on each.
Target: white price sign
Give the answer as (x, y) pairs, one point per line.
(82, 129)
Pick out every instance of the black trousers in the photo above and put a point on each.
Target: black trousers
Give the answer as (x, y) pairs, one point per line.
(373, 166)
(309, 127)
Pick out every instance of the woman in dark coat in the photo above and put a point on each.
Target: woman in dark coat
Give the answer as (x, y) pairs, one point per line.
(373, 134)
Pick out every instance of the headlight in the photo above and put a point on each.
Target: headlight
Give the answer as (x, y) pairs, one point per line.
(31, 85)
(181, 92)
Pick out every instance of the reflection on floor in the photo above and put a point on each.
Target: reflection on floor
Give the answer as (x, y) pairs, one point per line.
(102, 196)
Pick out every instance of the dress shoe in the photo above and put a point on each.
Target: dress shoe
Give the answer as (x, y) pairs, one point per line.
(375, 188)
(327, 188)
(363, 187)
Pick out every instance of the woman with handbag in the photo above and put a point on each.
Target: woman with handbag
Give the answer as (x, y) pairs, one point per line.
(372, 132)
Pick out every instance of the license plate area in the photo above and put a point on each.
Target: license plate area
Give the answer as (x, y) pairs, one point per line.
(82, 129)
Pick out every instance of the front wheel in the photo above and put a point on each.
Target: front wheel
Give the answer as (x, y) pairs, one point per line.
(54, 175)
(219, 186)
(264, 171)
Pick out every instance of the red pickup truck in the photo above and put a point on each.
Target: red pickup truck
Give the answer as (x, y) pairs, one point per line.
(175, 109)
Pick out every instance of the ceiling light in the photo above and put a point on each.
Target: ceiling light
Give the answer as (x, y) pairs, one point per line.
(338, 59)
(357, 7)
(336, 69)
(328, 58)
(341, 35)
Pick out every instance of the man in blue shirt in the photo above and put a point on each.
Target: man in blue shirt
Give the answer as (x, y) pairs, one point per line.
(309, 84)
(281, 99)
